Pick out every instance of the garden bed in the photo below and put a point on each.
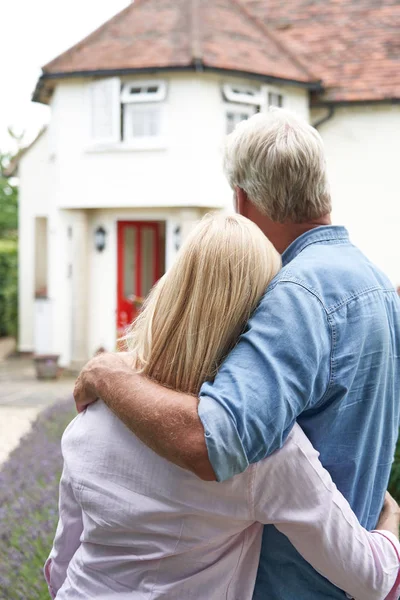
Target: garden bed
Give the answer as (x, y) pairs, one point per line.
(28, 505)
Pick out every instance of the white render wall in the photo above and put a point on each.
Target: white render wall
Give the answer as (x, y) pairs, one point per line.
(34, 198)
(79, 187)
(185, 171)
(362, 144)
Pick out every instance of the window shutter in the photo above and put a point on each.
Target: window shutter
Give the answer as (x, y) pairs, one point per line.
(105, 110)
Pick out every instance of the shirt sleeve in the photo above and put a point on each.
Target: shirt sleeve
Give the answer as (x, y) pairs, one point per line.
(67, 538)
(295, 493)
(279, 368)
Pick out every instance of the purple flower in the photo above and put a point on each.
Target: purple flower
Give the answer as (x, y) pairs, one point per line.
(28, 505)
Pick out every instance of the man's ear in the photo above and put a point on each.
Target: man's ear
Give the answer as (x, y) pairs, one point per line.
(242, 202)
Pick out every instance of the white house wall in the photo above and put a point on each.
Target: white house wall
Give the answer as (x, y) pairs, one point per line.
(362, 144)
(79, 187)
(33, 202)
(186, 171)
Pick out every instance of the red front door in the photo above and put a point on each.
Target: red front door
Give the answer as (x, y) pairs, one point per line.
(140, 265)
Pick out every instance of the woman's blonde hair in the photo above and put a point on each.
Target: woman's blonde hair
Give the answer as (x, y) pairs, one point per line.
(194, 315)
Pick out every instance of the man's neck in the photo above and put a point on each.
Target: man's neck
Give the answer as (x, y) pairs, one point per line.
(283, 234)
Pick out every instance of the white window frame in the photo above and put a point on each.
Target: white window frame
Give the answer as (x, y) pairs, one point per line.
(127, 97)
(239, 94)
(121, 97)
(278, 92)
(145, 139)
(249, 109)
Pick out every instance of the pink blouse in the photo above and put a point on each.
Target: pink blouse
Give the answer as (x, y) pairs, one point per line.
(133, 525)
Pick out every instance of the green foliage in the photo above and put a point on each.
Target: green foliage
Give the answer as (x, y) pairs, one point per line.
(8, 201)
(394, 483)
(8, 250)
(8, 288)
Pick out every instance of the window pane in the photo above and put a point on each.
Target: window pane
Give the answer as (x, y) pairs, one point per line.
(275, 99)
(141, 121)
(148, 259)
(233, 118)
(129, 261)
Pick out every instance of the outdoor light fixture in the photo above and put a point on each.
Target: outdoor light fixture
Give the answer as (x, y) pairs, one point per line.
(100, 239)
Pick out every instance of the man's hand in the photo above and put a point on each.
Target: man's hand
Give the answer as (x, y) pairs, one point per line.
(390, 516)
(165, 420)
(92, 380)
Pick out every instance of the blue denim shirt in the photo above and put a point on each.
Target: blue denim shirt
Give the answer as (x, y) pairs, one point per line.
(322, 348)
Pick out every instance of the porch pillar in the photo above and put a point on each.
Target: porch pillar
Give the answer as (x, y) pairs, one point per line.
(79, 271)
(178, 228)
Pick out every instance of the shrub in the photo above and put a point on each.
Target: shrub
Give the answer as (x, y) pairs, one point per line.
(394, 483)
(28, 506)
(8, 288)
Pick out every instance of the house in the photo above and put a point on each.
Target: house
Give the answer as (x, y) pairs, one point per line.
(132, 155)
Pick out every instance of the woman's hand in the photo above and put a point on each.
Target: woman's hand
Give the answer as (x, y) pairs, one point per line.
(389, 519)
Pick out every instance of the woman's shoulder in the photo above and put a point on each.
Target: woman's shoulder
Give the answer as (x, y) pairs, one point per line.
(90, 427)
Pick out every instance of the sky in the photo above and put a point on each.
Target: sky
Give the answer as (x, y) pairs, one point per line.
(32, 32)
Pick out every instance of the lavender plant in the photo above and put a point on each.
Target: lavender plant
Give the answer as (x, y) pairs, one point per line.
(29, 506)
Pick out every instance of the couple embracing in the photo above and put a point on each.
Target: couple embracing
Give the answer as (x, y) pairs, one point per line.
(242, 447)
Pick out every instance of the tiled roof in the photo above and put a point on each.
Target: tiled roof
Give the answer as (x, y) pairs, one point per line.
(222, 34)
(353, 46)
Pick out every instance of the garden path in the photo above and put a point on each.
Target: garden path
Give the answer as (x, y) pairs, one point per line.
(23, 397)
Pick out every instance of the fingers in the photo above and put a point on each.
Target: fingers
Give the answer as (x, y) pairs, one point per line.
(88, 386)
(79, 395)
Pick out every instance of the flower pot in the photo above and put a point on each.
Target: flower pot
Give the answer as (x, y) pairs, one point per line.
(46, 366)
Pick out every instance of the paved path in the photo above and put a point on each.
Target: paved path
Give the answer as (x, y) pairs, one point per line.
(22, 397)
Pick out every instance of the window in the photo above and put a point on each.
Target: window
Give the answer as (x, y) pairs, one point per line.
(129, 113)
(150, 91)
(141, 121)
(242, 103)
(236, 113)
(141, 110)
(275, 99)
(243, 94)
(41, 256)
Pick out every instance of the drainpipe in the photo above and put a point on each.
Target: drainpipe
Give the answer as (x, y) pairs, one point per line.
(327, 117)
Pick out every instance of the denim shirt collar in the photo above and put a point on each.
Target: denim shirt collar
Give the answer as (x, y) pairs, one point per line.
(325, 233)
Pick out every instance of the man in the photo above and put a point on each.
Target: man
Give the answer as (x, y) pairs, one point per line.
(323, 348)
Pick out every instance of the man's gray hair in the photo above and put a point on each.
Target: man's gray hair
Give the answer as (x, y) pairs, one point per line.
(278, 159)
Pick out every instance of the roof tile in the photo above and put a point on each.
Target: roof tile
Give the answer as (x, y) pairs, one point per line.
(352, 45)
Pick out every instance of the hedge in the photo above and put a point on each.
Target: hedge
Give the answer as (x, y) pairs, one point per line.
(8, 288)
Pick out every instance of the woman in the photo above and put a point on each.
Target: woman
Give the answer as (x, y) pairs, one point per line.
(133, 525)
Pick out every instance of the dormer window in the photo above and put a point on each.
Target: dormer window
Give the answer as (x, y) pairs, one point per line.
(131, 113)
